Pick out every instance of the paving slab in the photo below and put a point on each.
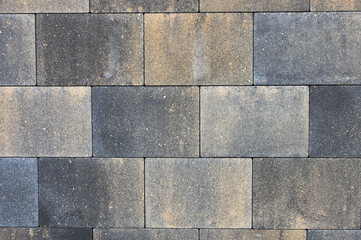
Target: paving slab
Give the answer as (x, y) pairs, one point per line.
(145, 234)
(46, 233)
(335, 5)
(44, 6)
(247, 234)
(334, 235)
(90, 49)
(91, 192)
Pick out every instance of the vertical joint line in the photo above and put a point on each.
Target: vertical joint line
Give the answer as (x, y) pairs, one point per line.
(253, 50)
(309, 121)
(144, 193)
(199, 5)
(36, 52)
(199, 121)
(252, 193)
(37, 164)
(143, 49)
(199, 234)
(91, 121)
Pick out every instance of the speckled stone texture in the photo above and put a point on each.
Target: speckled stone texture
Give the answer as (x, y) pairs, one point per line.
(306, 193)
(335, 5)
(81, 192)
(307, 48)
(143, 6)
(145, 234)
(335, 121)
(90, 49)
(46, 233)
(198, 193)
(49, 122)
(253, 5)
(145, 121)
(18, 192)
(334, 235)
(198, 49)
(244, 234)
(41, 6)
(17, 49)
(254, 121)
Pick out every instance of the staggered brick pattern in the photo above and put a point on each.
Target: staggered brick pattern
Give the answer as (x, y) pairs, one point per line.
(180, 119)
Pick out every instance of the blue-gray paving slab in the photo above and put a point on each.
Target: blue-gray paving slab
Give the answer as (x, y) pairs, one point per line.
(19, 192)
(143, 6)
(334, 235)
(145, 234)
(46, 234)
(17, 49)
(306, 193)
(254, 121)
(335, 121)
(307, 48)
(91, 192)
(89, 49)
(145, 121)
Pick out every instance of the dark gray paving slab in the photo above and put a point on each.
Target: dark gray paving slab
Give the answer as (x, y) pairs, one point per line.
(254, 6)
(254, 121)
(335, 5)
(17, 49)
(143, 6)
(335, 121)
(145, 234)
(145, 121)
(306, 193)
(46, 233)
(44, 6)
(334, 235)
(245, 234)
(198, 193)
(199, 49)
(307, 48)
(84, 192)
(19, 192)
(85, 49)
(42, 121)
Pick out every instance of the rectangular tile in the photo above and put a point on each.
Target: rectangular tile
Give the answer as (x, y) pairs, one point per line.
(19, 192)
(254, 121)
(307, 48)
(17, 49)
(335, 5)
(307, 193)
(145, 234)
(198, 49)
(146, 121)
(254, 6)
(243, 234)
(88, 192)
(198, 193)
(335, 121)
(143, 6)
(44, 6)
(334, 235)
(49, 122)
(90, 49)
(46, 233)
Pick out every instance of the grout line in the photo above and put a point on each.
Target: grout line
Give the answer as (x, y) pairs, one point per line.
(309, 122)
(190, 157)
(199, 123)
(143, 49)
(174, 86)
(91, 122)
(92, 232)
(199, 6)
(309, 5)
(253, 50)
(252, 194)
(37, 164)
(199, 234)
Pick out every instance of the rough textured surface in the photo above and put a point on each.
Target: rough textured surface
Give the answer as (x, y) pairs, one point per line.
(335, 121)
(49, 122)
(91, 192)
(46, 233)
(41, 6)
(143, 6)
(198, 193)
(17, 50)
(254, 121)
(90, 49)
(146, 234)
(146, 122)
(198, 49)
(335, 5)
(307, 48)
(253, 5)
(18, 192)
(306, 193)
(334, 235)
(233, 234)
